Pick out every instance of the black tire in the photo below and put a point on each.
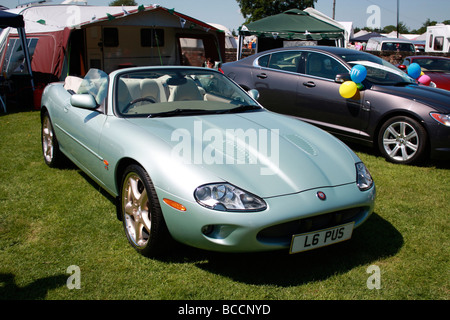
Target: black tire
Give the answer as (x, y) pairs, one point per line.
(141, 214)
(53, 156)
(402, 140)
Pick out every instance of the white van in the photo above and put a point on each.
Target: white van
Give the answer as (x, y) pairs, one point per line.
(438, 38)
(389, 44)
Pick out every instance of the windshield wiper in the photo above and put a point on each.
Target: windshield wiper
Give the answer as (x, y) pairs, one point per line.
(241, 108)
(177, 112)
(190, 112)
(403, 83)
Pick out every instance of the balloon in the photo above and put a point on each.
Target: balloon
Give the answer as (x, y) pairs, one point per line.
(358, 73)
(414, 70)
(348, 89)
(360, 86)
(424, 80)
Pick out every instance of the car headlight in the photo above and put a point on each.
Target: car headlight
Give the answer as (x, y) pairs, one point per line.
(441, 118)
(363, 178)
(226, 197)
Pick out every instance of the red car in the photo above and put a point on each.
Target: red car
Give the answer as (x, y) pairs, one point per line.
(437, 68)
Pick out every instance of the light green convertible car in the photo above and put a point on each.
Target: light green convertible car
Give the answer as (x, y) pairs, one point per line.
(190, 156)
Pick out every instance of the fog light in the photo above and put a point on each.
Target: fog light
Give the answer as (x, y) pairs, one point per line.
(207, 230)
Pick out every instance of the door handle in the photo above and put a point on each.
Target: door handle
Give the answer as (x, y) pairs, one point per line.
(309, 84)
(262, 75)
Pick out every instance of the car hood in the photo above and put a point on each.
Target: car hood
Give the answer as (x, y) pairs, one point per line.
(261, 152)
(433, 97)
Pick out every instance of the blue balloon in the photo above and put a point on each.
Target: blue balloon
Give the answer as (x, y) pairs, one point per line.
(414, 70)
(358, 73)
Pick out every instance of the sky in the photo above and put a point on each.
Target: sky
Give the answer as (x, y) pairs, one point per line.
(413, 13)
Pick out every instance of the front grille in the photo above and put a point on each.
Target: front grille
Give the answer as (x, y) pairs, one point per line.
(282, 233)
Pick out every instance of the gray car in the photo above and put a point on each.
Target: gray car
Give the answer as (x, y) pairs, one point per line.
(408, 122)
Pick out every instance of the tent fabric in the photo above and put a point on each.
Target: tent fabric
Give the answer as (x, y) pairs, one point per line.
(52, 24)
(366, 37)
(8, 19)
(293, 24)
(51, 45)
(50, 18)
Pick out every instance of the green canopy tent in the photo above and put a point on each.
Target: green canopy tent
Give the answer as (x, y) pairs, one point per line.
(293, 24)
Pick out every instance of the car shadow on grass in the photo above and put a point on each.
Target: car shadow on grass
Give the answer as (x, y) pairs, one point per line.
(374, 240)
(36, 290)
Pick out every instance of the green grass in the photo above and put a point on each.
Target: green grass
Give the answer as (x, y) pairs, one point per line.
(51, 219)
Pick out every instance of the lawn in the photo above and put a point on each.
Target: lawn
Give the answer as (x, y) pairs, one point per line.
(52, 219)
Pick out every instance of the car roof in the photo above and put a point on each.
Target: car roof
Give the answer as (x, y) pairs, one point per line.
(384, 39)
(338, 51)
(335, 50)
(428, 57)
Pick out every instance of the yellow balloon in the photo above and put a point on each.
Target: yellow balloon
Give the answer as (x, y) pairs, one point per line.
(348, 89)
(421, 74)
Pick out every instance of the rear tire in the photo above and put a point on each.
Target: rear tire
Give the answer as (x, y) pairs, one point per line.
(402, 140)
(141, 213)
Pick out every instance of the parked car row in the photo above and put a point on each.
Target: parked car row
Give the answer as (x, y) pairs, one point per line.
(192, 156)
(437, 68)
(406, 121)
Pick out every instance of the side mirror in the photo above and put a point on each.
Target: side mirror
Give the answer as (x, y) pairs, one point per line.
(85, 101)
(342, 77)
(254, 94)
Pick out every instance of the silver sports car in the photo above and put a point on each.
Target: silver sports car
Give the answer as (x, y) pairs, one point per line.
(191, 156)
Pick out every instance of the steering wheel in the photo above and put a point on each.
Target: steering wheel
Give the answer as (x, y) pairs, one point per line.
(133, 102)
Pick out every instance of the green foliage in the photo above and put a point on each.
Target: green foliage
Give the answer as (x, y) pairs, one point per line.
(118, 3)
(253, 10)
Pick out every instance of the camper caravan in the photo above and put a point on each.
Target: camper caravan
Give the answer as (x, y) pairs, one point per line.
(70, 39)
(389, 44)
(438, 38)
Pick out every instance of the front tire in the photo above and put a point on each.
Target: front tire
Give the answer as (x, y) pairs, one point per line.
(53, 157)
(402, 140)
(141, 213)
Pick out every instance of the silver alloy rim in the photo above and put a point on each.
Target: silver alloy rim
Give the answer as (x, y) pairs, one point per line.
(47, 140)
(136, 212)
(400, 141)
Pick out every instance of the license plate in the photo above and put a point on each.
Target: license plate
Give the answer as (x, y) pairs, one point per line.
(321, 238)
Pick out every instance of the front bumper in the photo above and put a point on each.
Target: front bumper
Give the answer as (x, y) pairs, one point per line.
(271, 229)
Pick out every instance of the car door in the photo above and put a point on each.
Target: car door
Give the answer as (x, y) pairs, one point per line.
(275, 77)
(83, 128)
(318, 100)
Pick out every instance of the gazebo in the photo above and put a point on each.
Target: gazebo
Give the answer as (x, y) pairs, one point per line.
(292, 24)
(12, 20)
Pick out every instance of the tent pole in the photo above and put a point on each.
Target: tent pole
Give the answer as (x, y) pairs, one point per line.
(239, 50)
(23, 38)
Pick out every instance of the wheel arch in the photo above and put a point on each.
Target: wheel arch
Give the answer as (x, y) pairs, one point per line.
(398, 113)
(120, 169)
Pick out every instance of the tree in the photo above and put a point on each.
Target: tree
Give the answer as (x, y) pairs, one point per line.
(426, 24)
(402, 28)
(253, 10)
(118, 3)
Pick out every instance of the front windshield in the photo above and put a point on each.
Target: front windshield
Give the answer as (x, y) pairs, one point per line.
(159, 92)
(95, 83)
(379, 71)
(433, 64)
